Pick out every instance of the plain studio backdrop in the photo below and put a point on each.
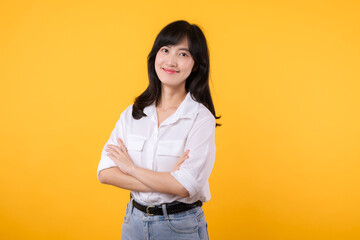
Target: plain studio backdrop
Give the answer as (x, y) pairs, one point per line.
(284, 76)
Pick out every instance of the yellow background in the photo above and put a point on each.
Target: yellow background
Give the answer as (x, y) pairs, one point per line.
(285, 78)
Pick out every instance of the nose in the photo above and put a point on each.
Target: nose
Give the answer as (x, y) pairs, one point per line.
(171, 60)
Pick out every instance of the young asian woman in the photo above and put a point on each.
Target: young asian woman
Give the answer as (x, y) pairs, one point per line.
(162, 148)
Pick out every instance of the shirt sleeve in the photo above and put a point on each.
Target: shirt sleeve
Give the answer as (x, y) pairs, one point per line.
(105, 161)
(195, 171)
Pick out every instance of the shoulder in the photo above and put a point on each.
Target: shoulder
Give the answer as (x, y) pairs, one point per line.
(198, 110)
(128, 109)
(204, 114)
(127, 113)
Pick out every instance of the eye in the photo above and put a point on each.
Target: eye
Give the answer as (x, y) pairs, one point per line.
(183, 54)
(164, 50)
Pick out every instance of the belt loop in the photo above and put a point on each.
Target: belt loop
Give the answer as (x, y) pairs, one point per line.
(164, 211)
(131, 204)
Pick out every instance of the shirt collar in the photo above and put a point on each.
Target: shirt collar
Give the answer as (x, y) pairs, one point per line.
(187, 109)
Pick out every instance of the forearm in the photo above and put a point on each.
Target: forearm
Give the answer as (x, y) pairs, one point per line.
(162, 182)
(114, 176)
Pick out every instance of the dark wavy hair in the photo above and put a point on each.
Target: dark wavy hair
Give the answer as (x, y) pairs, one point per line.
(197, 82)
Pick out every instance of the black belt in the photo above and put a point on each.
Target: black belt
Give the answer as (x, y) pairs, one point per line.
(171, 208)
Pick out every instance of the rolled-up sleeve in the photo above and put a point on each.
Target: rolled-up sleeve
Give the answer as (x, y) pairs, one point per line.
(195, 171)
(105, 161)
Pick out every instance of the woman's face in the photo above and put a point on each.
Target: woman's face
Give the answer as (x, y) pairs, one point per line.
(174, 63)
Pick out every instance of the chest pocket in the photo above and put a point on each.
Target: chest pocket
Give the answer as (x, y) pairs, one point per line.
(135, 145)
(174, 148)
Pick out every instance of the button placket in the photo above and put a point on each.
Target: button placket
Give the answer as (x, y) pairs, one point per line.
(155, 139)
(152, 148)
(155, 135)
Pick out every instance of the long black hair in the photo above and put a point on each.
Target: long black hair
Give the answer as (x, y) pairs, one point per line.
(197, 82)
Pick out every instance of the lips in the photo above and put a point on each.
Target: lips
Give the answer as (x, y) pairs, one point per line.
(171, 71)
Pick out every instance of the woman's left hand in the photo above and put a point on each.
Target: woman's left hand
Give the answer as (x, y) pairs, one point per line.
(120, 156)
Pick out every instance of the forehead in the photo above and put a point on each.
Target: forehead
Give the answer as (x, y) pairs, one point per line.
(183, 43)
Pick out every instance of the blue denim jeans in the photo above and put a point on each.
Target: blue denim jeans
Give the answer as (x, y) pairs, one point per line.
(188, 225)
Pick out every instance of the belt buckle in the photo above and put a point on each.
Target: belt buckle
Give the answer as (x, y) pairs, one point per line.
(147, 210)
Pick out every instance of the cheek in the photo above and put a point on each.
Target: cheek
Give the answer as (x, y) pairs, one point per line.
(157, 64)
(188, 66)
(158, 59)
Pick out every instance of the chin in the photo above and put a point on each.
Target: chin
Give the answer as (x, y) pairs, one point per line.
(173, 85)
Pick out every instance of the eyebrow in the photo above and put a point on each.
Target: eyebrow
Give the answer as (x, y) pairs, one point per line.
(185, 49)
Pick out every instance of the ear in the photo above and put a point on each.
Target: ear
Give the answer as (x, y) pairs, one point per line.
(195, 68)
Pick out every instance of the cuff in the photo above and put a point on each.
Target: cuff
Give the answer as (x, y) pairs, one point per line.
(188, 182)
(104, 164)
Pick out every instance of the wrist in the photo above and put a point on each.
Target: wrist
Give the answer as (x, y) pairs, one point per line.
(131, 170)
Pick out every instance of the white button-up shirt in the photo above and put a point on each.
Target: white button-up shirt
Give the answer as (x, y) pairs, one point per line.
(191, 127)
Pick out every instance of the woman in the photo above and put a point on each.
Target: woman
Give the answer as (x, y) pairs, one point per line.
(163, 146)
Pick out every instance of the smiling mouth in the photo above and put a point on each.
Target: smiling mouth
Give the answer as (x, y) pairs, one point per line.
(171, 71)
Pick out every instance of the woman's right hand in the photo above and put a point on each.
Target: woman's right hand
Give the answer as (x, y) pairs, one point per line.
(181, 160)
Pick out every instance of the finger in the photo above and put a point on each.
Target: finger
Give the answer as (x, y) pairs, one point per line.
(186, 152)
(113, 152)
(178, 164)
(122, 145)
(111, 156)
(115, 148)
(180, 161)
(184, 156)
(109, 151)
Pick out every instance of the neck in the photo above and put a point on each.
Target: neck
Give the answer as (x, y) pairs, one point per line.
(171, 98)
